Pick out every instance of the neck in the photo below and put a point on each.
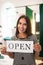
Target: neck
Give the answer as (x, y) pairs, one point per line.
(22, 35)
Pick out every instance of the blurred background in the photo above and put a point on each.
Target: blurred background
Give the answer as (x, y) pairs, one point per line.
(11, 10)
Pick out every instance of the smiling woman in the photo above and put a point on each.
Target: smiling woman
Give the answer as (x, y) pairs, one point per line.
(23, 33)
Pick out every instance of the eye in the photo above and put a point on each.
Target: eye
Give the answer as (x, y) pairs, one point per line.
(24, 24)
(19, 23)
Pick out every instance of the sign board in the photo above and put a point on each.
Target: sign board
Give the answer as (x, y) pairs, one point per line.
(19, 46)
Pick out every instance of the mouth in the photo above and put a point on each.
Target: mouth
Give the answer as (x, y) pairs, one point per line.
(21, 29)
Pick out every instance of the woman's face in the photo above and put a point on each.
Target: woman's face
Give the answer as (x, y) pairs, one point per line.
(22, 25)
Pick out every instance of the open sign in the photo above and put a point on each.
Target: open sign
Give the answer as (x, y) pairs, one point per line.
(19, 46)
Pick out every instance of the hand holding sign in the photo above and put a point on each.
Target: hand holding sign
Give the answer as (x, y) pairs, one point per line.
(37, 47)
(3, 50)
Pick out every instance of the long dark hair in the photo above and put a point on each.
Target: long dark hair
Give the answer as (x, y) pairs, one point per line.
(28, 30)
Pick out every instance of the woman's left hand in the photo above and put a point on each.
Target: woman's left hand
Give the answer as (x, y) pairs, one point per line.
(37, 47)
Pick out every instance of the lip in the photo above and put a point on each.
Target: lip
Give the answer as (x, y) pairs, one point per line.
(21, 29)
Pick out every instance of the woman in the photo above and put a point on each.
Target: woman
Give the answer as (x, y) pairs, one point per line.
(23, 33)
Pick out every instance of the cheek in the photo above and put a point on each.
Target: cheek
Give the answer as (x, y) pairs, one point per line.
(18, 26)
(25, 27)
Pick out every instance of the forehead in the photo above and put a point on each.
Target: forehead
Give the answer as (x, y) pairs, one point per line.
(22, 20)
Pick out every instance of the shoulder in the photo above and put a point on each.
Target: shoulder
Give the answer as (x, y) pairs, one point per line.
(13, 38)
(33, 37)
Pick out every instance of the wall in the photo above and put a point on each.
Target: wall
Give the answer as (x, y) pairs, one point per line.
(41, 28)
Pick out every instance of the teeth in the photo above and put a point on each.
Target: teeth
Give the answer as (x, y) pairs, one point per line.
(21, 29)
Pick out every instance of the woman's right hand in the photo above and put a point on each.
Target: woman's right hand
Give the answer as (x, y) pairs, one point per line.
(3, 50)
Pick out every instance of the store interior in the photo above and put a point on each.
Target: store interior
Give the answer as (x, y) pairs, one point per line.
(10, 11)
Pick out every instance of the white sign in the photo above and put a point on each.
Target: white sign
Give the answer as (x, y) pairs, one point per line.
(19, 46)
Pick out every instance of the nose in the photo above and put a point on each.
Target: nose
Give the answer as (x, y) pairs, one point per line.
(21, 25)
